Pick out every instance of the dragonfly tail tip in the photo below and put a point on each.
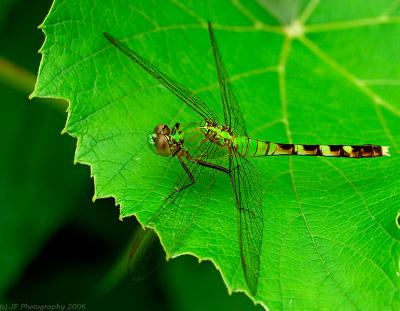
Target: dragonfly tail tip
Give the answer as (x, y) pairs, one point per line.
(385, 151)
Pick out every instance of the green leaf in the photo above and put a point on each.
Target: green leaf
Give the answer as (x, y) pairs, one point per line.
(286, 11)
(329, 77)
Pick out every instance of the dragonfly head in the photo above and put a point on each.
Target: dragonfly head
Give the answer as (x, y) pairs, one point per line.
(159, 140)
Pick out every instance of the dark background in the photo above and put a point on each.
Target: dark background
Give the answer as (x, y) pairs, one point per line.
(57, 247)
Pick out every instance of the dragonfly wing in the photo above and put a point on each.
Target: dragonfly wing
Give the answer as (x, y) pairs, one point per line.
(175, 217)
(232, 114)
(184, 94)
(145, 255)
(248, 194)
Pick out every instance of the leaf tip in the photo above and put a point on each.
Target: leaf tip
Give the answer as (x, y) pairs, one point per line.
(32, 95)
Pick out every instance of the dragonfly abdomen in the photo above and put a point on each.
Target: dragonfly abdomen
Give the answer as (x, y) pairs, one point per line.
(249, 147)
(345, 151)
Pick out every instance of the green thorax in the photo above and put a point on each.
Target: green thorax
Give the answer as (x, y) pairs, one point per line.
(246, 146)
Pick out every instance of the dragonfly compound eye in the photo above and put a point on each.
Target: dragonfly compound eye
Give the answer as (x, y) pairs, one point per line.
(162, 129)
(161, 145)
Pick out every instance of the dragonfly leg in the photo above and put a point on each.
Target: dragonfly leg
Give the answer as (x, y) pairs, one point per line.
(174, 154)
(192, 180)
(222, 169)
(229, 172)
(210, 165)
(225, 170)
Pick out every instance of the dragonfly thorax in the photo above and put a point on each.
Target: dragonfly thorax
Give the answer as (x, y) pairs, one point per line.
(220, 134)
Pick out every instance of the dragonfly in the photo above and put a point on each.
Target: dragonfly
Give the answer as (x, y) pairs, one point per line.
(225, 148)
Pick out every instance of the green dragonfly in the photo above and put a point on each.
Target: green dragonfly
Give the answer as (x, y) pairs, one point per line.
(224, 147)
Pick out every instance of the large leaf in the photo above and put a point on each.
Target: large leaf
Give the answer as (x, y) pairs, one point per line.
(330, 76)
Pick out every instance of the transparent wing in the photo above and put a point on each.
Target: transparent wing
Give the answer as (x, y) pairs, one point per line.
(175, 217)
(146, 254)
(232, 114)
(184, 94)
(248, 193)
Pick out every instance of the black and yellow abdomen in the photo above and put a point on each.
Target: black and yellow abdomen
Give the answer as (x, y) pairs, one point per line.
(249, 147)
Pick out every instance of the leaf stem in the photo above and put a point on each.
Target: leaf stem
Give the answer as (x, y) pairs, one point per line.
(15, 76)
(22, 80)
